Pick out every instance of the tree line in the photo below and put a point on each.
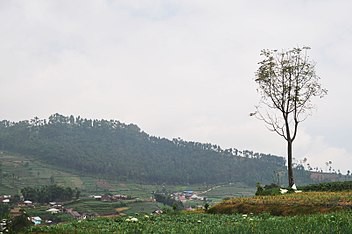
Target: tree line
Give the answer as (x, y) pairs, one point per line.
(49, 193)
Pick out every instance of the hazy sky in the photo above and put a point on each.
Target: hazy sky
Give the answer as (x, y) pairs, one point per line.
(182, 68)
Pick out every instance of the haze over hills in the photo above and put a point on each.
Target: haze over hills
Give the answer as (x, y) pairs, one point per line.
(114, 150)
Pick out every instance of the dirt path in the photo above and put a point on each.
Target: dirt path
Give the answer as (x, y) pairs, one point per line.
(212, 188)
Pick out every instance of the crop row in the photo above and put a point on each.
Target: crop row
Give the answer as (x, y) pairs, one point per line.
(206, 223)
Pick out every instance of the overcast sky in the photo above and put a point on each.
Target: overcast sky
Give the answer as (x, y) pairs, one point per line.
(181, 68)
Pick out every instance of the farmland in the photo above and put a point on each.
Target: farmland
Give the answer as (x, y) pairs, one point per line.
(307, 212)
(19, 171)
(233, 208)
(100, 208)
(206, 223)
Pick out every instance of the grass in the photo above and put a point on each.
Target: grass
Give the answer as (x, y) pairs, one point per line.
(142, 207)
(95, 207)
(220, 192)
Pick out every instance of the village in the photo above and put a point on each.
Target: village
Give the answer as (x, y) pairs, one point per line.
(49, 212)
(187, 195)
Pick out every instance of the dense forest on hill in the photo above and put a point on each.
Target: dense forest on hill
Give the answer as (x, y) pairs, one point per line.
(114, 150)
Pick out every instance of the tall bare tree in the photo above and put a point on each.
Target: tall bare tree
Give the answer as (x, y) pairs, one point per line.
(287, 83)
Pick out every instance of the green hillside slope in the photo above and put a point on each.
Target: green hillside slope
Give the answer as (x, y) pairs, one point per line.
(117, 151)
(18, 171)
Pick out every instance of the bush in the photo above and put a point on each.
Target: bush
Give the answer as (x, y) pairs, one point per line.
(20, 223)
(268, 190)
(331, 186)
(4, 211)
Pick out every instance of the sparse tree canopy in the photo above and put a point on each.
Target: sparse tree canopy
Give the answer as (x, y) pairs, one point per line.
(287, 83)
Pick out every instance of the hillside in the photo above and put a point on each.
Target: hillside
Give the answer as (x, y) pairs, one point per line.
(114, 150)
(18, 171)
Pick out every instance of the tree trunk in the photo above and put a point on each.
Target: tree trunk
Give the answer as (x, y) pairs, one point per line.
(289, 163)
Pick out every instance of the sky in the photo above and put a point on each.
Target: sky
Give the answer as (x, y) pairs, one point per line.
(177, 68)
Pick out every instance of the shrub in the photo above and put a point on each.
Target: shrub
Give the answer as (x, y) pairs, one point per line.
(330, 186)
(268, 190)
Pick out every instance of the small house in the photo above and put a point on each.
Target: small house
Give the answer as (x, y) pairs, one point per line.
(36, 220)
(28, 203)
(53, 210)
(6, 201)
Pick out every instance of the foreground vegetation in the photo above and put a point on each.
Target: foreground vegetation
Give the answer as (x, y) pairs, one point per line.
(306, 212)
(206, 223)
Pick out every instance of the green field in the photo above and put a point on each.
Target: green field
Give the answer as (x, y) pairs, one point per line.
(205, 223)
(106, 208)
(142, 207)
(229, 190)
(95, 207)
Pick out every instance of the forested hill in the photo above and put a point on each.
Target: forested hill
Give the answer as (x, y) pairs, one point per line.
(115, 150)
